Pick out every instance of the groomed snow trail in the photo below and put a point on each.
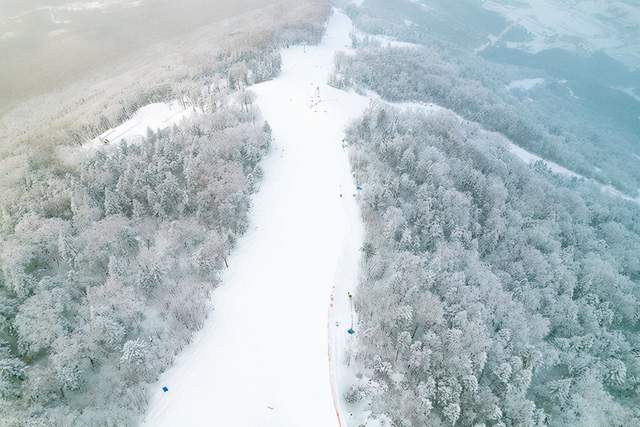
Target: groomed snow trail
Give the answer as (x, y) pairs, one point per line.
(263, 356)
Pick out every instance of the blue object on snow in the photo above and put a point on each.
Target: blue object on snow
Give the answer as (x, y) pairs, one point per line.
(165, 389)
(359, 188)
(350, 331)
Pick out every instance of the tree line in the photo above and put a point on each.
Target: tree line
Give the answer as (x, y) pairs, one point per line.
(106, 269)
(492, 293)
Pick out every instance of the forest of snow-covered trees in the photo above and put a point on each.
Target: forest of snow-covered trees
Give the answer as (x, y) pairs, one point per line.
(554, 133)
(443, 70)
(106, 269)
(492, 293)
(108, 254)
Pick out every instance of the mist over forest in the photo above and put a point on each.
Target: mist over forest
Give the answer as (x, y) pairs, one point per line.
(46, 45)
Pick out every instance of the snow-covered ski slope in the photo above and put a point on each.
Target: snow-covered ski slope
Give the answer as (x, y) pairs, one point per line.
(264, 357)
(153, 116)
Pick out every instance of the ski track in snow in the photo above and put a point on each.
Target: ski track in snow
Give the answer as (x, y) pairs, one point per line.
(261, 359)
(155, 116)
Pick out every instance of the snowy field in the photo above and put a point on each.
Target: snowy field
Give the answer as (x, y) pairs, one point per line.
(612, 26)
(267, 353)
(157, 116)
(525, 84)
(153, 116)
(383, 40)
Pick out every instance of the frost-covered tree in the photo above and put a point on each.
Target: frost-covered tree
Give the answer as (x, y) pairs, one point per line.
(107, 269)
(489, 296)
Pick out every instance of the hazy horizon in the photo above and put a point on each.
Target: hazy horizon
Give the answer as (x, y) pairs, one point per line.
(47, 44)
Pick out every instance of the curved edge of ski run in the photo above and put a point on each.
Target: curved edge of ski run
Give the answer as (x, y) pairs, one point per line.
(261, 357)
(160, 115)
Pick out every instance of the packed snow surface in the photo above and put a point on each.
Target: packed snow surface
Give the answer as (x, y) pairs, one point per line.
(155, 116)
(270, 351)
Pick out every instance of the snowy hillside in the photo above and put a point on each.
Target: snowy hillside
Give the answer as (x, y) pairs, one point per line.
(320, 213)
(592, 25)
(262, 357)
(152, 117)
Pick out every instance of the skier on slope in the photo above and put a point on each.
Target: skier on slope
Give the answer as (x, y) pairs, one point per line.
(350, 331)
